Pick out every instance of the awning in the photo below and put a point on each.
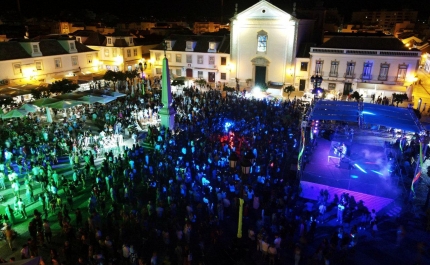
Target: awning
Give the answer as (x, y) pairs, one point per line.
(382, 87)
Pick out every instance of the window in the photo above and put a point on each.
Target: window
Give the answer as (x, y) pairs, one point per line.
(367, 71)
(109, 40)
(17, 68)
(223, 60)
(262, 41)
(89, 58)
(35, 48)
(134, 52)
(72, 46)
(211, 60)
(168, 56)
(334, 68)
(199, 74)
(128, 53)
(350, 70)
(303, 66)
(189, 58)
(200, 59)
(39, 66)
(130, 40)
(401, 72)
(157, 56)
(331, 86)
(179, 58)
(78, 39)
(318, 67)
(74, 60)
(57, 62)
(383, 72)
(158, 71)
(211, 45)
(113, 52)
(223, 76)
(168, 45)
(189, 45)
(178, 72)
(106, 52)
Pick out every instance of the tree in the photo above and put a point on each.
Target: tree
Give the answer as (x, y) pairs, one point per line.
(131, 75)
(178, 82)
(201, 82)
(289, 89)
(110, 76)
(5, 101)
(399, 98)
(62, 86)
(355, 95)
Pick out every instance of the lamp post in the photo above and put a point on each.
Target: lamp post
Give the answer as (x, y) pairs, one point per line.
(316, 81)
(232, 159)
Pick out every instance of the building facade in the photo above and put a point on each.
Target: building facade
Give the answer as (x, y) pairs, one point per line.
(384, 18)
(44, 61)
(194, 57)
(377, 66)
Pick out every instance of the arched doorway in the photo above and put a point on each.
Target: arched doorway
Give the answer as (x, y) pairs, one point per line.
(260, 70)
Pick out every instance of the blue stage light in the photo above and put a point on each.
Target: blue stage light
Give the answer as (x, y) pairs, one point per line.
(368, 113)
(379, 173)
(362, 170)
(354, 176)
(227, 125)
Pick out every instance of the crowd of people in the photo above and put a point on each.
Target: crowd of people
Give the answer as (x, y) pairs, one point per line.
(173, 198)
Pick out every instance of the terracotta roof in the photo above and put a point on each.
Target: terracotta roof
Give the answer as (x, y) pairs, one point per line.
(365, 43)
(12, 50)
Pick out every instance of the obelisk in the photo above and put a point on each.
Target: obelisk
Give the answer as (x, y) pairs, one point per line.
(167, 113)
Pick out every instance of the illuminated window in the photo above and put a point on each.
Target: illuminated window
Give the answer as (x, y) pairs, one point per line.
(157, 56)
(367, 71)
(39, 66)
(212, 45)
(17, 68)
(223, 60)
(130, 40)
(189, 58)
(128, 53)
(318, 67)
(113, 52)
(158, 71)
(200, 74)
(72, 46)
(178, 58)
(35, 48)
(334, 67)
(57, 62)
(350, 66)
(401, 72)
(383, 72)
(106, 52)
(168, 56)
(262, 41)
(109, 40)
(189, 46)
(134, 52)
(75, 60)
(200, 59)
(78, 39)
(178, 72)
(211, 60)
(223, 76)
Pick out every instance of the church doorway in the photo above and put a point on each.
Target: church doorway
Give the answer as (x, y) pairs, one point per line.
(260, 75)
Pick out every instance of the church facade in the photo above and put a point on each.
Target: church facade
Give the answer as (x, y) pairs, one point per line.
(263, 44)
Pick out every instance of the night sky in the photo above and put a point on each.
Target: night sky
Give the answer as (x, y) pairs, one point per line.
(200, 8)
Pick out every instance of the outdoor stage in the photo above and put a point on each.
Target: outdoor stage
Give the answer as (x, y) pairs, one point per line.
(366, 168)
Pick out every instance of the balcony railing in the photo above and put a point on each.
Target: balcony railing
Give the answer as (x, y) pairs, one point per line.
(333, 74)
(382, 78)
(366, 77)
(348, 75)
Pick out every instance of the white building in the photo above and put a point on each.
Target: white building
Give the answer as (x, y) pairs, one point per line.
(30, 63)
(369, 65)
(195, 57)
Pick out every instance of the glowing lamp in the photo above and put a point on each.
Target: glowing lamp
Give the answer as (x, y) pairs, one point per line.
(250, 156)
(246, 166)
(232, 159)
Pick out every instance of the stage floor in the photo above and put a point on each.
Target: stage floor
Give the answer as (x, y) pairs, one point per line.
(366, 170)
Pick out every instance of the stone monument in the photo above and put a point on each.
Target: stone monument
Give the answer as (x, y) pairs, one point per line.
(167, 113)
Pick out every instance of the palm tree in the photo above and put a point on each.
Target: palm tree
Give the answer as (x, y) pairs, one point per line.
(399, 98)
(62, 86)
(201, 82)
(289, 89)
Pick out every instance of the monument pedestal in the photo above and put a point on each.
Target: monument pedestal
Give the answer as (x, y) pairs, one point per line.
(167, 116)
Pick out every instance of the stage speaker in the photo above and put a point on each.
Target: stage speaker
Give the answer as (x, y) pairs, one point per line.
(328, 134)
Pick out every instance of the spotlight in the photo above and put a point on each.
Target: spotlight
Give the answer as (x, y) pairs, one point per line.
(362, 170)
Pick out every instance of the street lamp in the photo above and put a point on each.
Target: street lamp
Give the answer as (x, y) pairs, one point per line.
(232, 159)
(246, 166)
(250, 156)
(316, 81)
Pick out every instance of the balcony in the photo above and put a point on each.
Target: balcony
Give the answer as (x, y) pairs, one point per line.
(349, 75)
(333, 74)
(366, 77)
(382, 78)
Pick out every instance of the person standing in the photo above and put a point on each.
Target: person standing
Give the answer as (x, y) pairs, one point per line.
(2, 176)
(21, 208)
(9, 214)
(340, 209)
(9, 234)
